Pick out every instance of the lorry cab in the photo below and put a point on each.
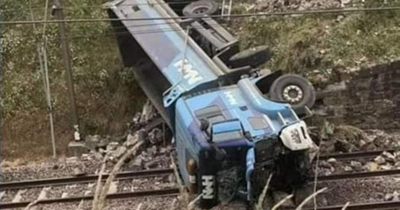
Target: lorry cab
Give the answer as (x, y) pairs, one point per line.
(235, 127)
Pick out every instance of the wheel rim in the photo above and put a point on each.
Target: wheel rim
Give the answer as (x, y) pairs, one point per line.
(293, 94)
(200, 10)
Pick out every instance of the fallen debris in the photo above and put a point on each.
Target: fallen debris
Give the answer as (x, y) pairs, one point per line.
(346, 138)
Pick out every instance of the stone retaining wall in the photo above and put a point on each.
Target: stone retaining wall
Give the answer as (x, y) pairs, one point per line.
(370, 99)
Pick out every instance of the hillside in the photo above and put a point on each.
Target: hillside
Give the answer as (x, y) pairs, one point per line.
(325, 47)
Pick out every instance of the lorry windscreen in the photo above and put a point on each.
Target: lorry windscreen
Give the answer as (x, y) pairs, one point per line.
(227, 130)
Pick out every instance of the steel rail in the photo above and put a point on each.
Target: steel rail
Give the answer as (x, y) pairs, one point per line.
(354, 154)
(357, 175)
(145, 193)
(363, 206)
(82, 179)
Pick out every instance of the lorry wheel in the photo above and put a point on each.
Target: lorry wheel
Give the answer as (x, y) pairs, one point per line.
(251, 57)
(293, 89)
(202, 7)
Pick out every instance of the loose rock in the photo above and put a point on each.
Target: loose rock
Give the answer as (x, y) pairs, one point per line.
(362, 143)
(165, 150)
(72, 160)
(131, 140)
(369, 147)
(348, 169)
(388, 197)
(396, 196)
(371, 166)
(102, 151)
(104, 142)
(385, 167)
(325, 164)
(152, 163)
(97, 155)
(78, 172)
(137, 162)
(332, 160)
(380, 160)
(155, 136)
(85, 157)
(397, 155)
(152, 150)
(344, 146)
(389, 157)
(91, 142)
(118, 152)
(356, 165)
(112, 146)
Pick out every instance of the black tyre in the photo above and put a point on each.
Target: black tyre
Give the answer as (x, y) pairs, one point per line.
(202, 7)
(253, 57)
(293, 89)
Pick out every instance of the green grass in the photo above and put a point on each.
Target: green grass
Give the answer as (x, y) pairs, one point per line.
(317, 42)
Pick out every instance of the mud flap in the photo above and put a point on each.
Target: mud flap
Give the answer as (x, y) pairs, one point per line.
(208, 167)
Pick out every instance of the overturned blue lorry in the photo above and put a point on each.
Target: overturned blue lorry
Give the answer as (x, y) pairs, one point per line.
(234, 124)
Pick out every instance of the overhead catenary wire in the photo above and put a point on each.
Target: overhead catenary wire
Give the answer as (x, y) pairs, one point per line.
(245, 15)
(138, 32)
(101, 6)
(147, 31)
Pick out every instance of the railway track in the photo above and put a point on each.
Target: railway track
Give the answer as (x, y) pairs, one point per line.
(122, 176)
(347, 157)
(381, 205)
(393, 205)
(74, 189)
(364, 154)
(144, 193)
(357, 175)
(82, 179)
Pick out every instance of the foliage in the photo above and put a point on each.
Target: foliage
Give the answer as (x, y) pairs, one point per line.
(107, 95)
(314, 42)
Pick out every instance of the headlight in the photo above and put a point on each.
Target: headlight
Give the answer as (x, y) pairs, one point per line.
(295, 137)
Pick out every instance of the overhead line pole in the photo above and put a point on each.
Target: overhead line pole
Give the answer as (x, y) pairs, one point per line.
(59, 14)
(42, 55)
